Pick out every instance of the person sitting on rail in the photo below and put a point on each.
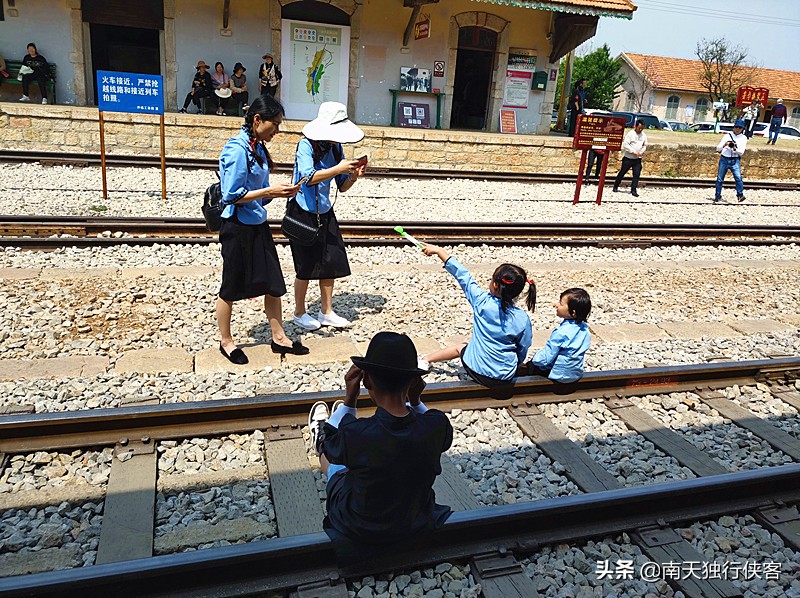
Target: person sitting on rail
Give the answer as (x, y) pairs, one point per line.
(561, 359)
(381, 469)
(501, 332)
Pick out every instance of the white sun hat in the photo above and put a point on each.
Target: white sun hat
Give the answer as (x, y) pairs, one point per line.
(332, 124)
(223, 93)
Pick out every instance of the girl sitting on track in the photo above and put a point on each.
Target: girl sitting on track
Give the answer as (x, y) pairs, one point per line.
(561, 359)
(501, 332)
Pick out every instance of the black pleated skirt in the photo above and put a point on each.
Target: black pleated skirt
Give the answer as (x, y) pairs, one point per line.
(250, 266)
(327, 258)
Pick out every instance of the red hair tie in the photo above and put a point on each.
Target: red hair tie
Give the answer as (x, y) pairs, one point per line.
(530, 282)
(507, 280)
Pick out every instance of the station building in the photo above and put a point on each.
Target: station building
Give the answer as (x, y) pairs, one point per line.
(454, 63)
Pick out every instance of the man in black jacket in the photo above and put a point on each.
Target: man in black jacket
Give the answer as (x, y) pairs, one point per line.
(381, 469)
(202, 87)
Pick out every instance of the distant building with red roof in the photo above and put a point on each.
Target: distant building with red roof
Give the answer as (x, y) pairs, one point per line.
(667, 86)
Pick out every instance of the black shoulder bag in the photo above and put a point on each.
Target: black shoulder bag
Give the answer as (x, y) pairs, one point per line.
(212, 207)
(300, 226)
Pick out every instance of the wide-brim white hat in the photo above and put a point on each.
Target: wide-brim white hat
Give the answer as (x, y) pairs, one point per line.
(332, 124)
(223, 93)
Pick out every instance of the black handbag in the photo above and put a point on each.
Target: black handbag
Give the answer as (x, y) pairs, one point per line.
(301, 227)
(212, 207)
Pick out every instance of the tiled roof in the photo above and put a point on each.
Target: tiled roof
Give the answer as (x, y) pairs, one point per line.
(682, 74)
(602, 8)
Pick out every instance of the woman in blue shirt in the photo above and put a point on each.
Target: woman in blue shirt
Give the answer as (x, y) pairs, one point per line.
(250, 266)
(320, 157)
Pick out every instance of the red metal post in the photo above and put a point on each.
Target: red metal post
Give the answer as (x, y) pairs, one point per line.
(579, 182)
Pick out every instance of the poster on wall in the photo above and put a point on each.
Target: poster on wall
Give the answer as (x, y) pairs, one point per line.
(413, 115)
(519, 77)
(414, 79)
(315, 61)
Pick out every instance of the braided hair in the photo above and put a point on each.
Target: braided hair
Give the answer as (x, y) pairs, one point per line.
(267, 108)
(510, 280)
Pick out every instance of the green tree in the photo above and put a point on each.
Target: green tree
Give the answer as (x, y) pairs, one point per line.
(603, 75)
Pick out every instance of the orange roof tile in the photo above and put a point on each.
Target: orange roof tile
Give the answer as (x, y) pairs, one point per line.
(614, 8)
(682, 74)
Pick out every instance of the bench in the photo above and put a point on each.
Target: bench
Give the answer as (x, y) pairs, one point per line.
(13, 66)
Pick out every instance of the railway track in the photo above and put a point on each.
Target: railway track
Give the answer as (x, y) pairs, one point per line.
(488, 538)
(72, 159)
(43, 232)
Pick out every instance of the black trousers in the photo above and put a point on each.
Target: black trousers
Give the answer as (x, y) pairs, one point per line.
(592, 156)
(40, 78)
(627, 164)
(195, 97)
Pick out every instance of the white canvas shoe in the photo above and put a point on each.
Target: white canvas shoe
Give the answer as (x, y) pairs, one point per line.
(24, 99)
(316, 419)
(333, 319)
(306, 322)
(44, 100)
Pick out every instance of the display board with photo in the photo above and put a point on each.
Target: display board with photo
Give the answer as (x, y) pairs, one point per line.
(415, 79)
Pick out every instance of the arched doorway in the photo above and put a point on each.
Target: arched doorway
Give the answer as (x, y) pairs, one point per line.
(478, 55)
(318, 52)
(473, 77)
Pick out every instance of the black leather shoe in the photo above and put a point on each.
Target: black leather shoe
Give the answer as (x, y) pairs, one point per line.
(634, 193)
(297, 348)
(237, 356)
(615, 190)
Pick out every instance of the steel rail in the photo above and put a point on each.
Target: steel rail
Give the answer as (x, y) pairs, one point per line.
(45, 231)
(284, 563)
(86, 159)
(97, 427)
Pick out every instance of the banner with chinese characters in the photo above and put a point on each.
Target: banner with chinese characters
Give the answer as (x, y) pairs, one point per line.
(315, 62)
(599, 132)
(130, 92)
(747, 95)
(422, 29)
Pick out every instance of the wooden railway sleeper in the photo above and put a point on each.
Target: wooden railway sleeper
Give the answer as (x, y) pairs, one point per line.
(500, 575)
(332, 587)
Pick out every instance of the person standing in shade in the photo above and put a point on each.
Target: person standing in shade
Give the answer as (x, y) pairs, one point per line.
(320, 156)
(37, 70)
(202, 87)
(750, 116)
(633, 148)
(577, 103)
(777, 120)
(731, 148)
(269, 75)
(238, 87)
(250, 266)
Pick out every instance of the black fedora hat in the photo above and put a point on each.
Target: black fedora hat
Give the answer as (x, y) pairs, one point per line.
(238, 66)
(390, 354)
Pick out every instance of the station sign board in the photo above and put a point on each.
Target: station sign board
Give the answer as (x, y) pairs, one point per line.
(130, 92)
(747, 95)
(599, 132)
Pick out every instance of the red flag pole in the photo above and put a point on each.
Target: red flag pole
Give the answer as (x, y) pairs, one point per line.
(579, 182)
(602, 181)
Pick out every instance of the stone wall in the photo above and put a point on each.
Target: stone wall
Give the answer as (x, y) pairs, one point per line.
(29, 127)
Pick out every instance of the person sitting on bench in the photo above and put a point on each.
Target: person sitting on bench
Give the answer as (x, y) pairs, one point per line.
(35, 68)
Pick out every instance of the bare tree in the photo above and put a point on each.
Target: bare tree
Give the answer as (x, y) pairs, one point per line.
(642, 87)
(725, 68)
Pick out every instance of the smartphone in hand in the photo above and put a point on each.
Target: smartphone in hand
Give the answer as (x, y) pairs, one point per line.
(362, 161)
(304, 180)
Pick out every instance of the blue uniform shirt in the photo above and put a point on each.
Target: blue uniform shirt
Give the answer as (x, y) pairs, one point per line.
(304, 165)
(563, 353)
(239, 173)
(500, 340)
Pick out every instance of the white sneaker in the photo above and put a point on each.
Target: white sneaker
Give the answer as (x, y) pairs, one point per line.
(423, 365)
(307, 322)
(333, 319)
(336, 405)
(24, 99)
(316, 419)
(44, 100)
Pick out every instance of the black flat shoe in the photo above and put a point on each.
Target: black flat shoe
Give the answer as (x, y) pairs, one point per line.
(237, 356)
(297, 348)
